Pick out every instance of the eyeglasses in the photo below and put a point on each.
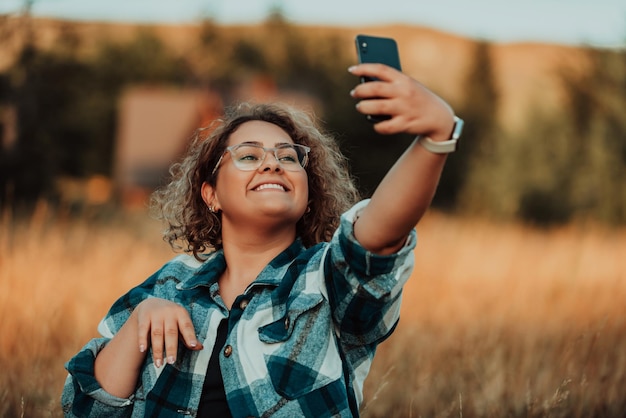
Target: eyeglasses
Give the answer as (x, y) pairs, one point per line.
(249, 157)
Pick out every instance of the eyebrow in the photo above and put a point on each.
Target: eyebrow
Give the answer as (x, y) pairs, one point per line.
(276, 144)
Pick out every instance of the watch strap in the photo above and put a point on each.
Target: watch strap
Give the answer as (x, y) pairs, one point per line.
(443, 147)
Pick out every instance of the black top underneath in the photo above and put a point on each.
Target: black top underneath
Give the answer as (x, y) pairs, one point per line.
(213, 400)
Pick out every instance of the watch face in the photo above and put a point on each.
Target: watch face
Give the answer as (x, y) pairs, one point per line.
(458, 128)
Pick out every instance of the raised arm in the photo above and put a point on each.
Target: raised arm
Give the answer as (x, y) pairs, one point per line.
(404, 194)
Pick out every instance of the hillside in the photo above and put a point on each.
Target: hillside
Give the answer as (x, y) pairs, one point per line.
(524, 72)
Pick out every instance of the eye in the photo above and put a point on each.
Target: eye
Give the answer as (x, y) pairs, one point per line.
(248, 154)
(287, 158)
(287, 155)
(247, 157)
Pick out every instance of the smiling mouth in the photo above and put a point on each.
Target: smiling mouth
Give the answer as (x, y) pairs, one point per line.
(270, 186)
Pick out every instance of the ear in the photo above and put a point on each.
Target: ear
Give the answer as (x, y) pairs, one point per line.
(209, 196)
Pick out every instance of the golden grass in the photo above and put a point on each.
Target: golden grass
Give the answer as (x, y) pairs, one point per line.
(507, 321)
(497, 320)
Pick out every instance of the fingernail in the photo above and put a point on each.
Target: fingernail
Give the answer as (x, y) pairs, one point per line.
(351, 68)
(193, 344)
(171, 359)
(142, 348)
(157, 363)
(352, 92)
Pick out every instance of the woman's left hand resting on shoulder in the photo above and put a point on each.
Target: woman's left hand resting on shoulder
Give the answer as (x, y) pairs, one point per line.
(403, 196)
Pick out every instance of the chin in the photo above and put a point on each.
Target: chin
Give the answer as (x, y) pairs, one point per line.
(291, 214)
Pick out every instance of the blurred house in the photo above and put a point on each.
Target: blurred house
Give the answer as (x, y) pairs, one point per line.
(155, 125)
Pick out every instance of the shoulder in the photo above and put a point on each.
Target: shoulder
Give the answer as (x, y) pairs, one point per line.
(179, 269)
(182, 263)
(186, 264)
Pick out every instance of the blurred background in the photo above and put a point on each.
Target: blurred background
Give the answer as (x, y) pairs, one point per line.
(96, 100)
(516, 304)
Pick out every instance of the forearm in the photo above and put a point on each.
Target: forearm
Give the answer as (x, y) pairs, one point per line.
(400, 200)
(118, 365)
(407, 190)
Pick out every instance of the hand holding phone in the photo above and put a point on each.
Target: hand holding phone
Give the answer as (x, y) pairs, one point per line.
(375, 49)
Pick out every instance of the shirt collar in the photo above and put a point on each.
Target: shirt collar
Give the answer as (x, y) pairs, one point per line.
(212, 268)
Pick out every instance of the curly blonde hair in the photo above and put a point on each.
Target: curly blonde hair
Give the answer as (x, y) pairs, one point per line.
(193, 228)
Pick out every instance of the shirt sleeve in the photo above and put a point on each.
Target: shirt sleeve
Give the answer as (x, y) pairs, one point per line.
(365, 288)
(82, 394)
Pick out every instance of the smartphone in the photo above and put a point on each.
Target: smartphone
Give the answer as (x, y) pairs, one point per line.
(376, 49)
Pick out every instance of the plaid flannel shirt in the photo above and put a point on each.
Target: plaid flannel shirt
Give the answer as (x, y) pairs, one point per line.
(300, 342)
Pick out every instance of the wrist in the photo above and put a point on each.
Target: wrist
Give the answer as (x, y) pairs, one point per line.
(446, 132)
(444, 145)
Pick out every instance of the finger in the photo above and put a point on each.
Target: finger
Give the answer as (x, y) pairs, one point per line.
(388, 127)
(143, 328)
(156, 335)
(171, 339)
(373, 89)
(376, 107)
(188, 332)
(397, 123)
(380, 71)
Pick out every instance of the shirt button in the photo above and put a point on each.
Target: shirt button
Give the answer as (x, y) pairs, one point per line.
(228, 350)
(243, 304)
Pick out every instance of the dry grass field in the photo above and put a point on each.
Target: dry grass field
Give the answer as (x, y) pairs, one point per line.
(498, 320)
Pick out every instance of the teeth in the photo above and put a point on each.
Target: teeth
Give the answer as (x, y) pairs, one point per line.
(270, 186)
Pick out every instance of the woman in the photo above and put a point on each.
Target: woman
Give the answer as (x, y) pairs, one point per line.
(291, 285)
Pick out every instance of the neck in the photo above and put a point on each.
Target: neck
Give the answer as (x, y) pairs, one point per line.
(247, 252)
(245, 259)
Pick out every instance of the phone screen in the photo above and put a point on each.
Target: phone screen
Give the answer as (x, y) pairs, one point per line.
(375, 49)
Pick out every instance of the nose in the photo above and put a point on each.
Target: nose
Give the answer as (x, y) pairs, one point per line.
(270, 163)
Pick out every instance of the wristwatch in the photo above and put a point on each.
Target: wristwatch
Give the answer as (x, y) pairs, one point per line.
(443, 147)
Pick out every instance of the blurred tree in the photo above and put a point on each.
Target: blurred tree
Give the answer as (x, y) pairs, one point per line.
(66, 108)
(276, 15)
(597, 132)
(210, 33)
(248, 55)
(569, 163)
(6, 150)
(562, 165)
(541, 175)
(469, 179)
(46, 91)
(209, 50)
(143, 60)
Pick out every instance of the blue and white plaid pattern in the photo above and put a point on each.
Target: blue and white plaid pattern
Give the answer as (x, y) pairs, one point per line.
(302, 343)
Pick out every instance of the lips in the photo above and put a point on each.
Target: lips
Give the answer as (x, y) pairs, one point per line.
(270, 186)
